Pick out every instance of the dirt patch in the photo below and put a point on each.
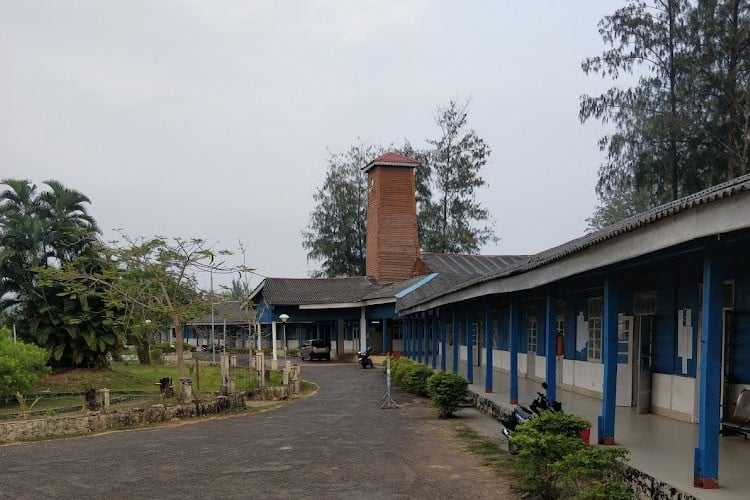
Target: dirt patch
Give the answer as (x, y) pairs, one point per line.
(443, 451)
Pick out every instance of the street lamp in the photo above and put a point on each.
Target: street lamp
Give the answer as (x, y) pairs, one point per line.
(283, 318)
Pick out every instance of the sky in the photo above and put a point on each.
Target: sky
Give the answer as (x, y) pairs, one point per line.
(215, 119)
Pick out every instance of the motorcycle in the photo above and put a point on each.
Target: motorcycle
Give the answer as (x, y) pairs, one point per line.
(364, 358)
(521, 414)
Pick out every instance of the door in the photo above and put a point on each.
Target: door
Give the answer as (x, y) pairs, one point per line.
(645, 333)
(624, 361)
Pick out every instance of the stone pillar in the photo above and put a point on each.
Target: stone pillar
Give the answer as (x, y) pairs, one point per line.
(274, 359)
(105, 400)
(186, 390)
(260, 367)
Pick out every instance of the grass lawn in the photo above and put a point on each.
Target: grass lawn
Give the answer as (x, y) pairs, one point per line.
(65, 387)
(125, 377)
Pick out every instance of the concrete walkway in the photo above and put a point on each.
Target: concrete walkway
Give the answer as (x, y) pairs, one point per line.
(659, 446)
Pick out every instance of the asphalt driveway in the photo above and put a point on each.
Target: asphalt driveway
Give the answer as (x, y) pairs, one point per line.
(337, 443)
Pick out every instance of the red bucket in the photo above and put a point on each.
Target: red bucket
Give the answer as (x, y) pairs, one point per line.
(396, 354)
(585, 436)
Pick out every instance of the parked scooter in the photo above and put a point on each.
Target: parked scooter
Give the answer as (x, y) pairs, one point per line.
(364, 358)
(521, 414)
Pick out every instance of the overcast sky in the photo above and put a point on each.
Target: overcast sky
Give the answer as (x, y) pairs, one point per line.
(214, 119)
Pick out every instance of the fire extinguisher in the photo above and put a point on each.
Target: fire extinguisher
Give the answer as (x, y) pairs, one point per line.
(560, 345)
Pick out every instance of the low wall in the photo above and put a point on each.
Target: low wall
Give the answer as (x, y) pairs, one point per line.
(643, 486)
(90, 422)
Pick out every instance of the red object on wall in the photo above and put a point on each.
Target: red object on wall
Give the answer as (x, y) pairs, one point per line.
(560, 345)
(586, 436)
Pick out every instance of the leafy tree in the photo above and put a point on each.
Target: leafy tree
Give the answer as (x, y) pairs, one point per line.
(41, 230)
(446, 180)
(19, 364)
(685, 124)
(149, 279)
(336, 232)
(448, 219)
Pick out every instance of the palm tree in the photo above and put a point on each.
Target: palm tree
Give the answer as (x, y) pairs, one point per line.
(43, 230)
(70, 230)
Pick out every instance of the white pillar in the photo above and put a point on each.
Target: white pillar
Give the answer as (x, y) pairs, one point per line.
(362, 330)
(274, 359)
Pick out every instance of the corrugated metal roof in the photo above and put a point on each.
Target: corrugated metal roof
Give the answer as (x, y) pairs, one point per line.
(300, 291)
(720, 191)
(229, 311)
(469, 264)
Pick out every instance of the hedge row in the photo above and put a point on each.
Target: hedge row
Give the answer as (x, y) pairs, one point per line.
(446, 390)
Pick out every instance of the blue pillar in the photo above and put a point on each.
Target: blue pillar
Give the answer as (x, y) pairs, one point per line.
(443, 341)
(406, 336)
(413, 338)
(385, 336)
(426, 339)
(434, 338)
(706, 465)
(487, 347)
(456, 339)
(514, 332)
(609, 356)
(469, 344)
(550, 341)
(418, 337)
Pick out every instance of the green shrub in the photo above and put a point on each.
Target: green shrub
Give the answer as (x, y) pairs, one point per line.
(239, 350)
(593, 473)
(398, 368)
(19, 364)
(554, 462)
(447, 391)
(414, 378)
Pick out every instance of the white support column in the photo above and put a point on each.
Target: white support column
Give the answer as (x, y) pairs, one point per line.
(362, 330)
(274, 359)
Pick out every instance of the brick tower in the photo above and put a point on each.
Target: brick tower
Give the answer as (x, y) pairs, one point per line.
(392, 239)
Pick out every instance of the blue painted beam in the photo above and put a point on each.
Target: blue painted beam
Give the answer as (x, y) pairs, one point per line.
(487, 347)
(469, 344)
(385, 336)
(443, 342)
(456, 339)
(419, 334)
(407, 325)
(706, 460)
(550, 344)
(609, 357)
(434, 338)
(514, 332)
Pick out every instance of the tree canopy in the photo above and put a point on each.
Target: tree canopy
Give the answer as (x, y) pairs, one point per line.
(685, 123)
(43, 230)
(449, 217)
(335, 235)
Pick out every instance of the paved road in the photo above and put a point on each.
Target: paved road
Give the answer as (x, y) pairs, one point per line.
(337, 443)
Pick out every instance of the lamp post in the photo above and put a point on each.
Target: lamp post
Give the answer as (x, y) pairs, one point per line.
(283, 318)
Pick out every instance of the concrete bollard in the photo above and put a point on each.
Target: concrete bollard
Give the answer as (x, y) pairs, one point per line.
(105, 400)
(260, 369)
(186, 390)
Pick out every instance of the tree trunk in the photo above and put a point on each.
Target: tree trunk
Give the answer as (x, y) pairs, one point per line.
(143, 350)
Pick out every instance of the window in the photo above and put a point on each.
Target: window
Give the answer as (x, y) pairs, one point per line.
(532, 334)
(474, 333)
(595, 329)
